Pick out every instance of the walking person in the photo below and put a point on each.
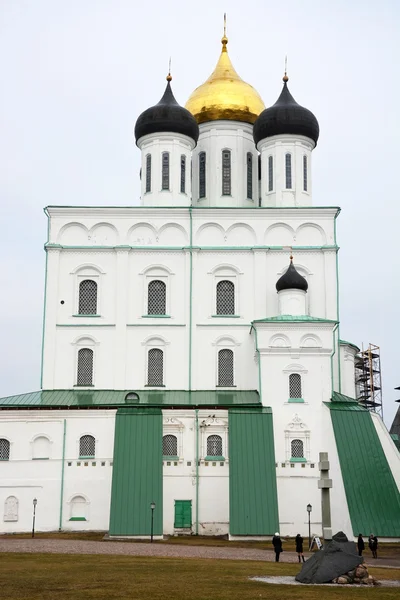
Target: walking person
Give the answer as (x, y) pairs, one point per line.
(277, 544)
(299, 547)
(373, 545)
(360, 544)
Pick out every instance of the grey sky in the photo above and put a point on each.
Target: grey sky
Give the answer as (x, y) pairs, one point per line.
(76, 75)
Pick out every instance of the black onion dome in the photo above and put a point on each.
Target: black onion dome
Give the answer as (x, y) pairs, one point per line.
(286, 116)
(167, 116)
(291, 280)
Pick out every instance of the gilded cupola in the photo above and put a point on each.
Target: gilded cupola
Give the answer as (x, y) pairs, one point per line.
(225, 95)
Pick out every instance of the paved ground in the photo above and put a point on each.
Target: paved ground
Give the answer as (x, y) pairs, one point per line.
(292, 581)
(147, 549)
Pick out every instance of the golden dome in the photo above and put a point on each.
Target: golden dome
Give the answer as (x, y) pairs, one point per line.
(225, 95)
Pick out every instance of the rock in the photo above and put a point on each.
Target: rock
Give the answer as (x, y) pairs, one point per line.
(361, 571)
(342, 580)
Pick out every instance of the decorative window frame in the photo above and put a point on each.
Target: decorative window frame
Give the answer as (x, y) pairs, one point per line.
(298, 370)
(148, 173)
(85, 341)
(250, 176)
(228, 273)
(86, 516)
(82, 272)
(222, 171)
(78, 443)
(270, 174)
(10, 443)
(173, 426)
(213, 425)
(297, 430)
(225, 342)
(32, 444)
(201, 155)
(159, 342)
(292, 171)
(6, 517)
(154, 273)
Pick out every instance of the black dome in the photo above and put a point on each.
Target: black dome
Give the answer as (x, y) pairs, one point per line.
(167, 116)
(286, 116)
(291, 280)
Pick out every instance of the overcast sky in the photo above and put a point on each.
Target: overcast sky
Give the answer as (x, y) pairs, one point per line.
(75, 76)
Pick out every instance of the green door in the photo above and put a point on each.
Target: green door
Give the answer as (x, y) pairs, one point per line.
(183, 514)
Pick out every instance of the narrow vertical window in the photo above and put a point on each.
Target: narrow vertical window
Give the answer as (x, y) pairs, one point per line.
(148, 173)
(214, 445)
(250, 175)
(297, 449)
(183, 174)
(202, 175)
(85, 367)
(4, 449)
(295, 385)
(165, 171)
(170, 445)
(226, 172)
(155, 367)
(270, 173)
(156, 297)
(225, 368)
(87, 446)
(305, 173)
(288, 171)
(225, 298)
(87, 297)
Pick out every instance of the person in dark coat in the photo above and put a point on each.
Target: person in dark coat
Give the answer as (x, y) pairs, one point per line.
(360, 544)
(373, 545)
(299, 547)
(277, 544)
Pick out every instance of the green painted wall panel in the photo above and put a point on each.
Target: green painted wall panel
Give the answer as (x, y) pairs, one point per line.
(137, 472)
(252, 473)
(371, 491)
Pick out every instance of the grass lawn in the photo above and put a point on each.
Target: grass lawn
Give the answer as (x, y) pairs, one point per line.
(73, 577)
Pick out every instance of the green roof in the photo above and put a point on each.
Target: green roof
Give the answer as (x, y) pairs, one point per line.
(346, 343)
(293, 318)
(116, 398)
(336, 397)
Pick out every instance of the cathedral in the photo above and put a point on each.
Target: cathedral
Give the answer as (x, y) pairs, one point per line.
(193, 367)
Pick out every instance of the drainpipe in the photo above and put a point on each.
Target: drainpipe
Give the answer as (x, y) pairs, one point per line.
(259, 361)
(333, 352)
(45, 295)
(62, 477)
(337, 300)
(190, 297)
(197, 469)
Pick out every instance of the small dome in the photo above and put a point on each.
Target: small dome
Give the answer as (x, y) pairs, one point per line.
(291, 280)
(286, 116)
(167, 116)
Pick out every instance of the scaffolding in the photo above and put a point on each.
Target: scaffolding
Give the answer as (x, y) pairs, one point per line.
(369, 379)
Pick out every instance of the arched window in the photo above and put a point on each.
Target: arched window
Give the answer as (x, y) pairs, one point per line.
(225, 298)
(214, 445)
(297, 449)
(305, 173)
(87, 297)
(202, 175)
(288, 171)
(170, 445)
(250, 175)
(225, 368)
(4, 449)
(271, 173)
(183, 174)
(156, 297)
(165, 171)
(41, 448)
(85, 367)
(155, 367)
(87, 447)
(78, 509)
(226, 172)
(148, 173)
(295, 385)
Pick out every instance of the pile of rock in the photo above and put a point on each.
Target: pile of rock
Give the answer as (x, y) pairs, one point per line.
(357, 576)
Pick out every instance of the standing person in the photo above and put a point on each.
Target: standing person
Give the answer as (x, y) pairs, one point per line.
(373, 545)
(299, 547)
(277, 544)
(360, 544)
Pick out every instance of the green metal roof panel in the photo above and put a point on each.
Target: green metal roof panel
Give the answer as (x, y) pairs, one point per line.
(336, 397)
(253, 500)
(116, 398)
(371, 491)
(293, 318)
(344, 342)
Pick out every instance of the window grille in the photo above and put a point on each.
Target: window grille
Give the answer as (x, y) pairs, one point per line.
(170, 445)
(214, 445)
(288, 171)
(155, 367)
(270, 173)
(165, 171)
(87, 297)
(305, 173)
(250, 175)
(156, 298)
(148, 173)
(295, 385)
(183, 174)
(85, 367)
(225, 368)
(226, 173)
(4, 449)
(87, 446)
(225, 298)
(202, 175)
(297, 449)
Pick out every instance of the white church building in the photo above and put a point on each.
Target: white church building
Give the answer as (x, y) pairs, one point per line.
(192, 353)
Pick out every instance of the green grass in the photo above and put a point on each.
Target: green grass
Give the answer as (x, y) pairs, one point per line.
(73, 577)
